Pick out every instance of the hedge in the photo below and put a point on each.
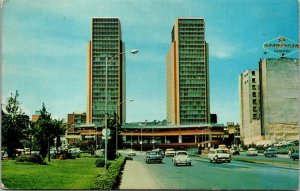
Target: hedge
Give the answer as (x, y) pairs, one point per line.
(32, 159)
(111, 177)
(100, 162)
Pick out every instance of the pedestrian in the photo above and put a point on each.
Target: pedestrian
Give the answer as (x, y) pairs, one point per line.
(289, 153)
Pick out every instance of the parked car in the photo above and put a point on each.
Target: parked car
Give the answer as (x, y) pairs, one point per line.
(295, 155)
(75, 151)
(294, 143)
(131, 152)
(170, 152)
(270, 152)
(153, 156)
(219, 155)
(181, 157)
(252, 152)
(280, 144)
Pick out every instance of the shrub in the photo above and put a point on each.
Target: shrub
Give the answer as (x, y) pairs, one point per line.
(100, 162)
(111, 178)
(34, 159)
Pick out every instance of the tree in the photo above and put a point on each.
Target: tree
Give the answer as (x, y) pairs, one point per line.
(44, 129)
(111, 145)
(29, 133)
(59, 127)
(14, 121)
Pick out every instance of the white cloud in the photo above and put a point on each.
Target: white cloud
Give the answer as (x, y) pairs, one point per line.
(222, 49)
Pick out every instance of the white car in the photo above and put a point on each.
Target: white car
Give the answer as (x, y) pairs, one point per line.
(219, 155)
(170, 152)
(75, 151)
(252, 152)
(130, 152)
(181, 157)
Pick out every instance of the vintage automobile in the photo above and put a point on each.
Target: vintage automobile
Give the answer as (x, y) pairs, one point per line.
(270, 152)
(160, 151)
(130, 152)
(170, 152)
(295, 155)
(181, 157)
(219, 155)
(252, 152)
(153, 157)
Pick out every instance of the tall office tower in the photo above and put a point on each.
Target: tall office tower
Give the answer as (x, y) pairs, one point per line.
(250, 106)
(107, 43)
(187, 73)
(279, 91)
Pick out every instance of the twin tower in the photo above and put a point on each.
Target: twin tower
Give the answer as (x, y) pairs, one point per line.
(187, 69)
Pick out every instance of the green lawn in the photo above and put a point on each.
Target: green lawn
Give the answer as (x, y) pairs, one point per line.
(58, 174)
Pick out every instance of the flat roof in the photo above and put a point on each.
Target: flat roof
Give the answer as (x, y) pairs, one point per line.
(127, 126)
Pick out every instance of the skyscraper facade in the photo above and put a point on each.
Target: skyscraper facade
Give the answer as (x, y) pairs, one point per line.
(187, 73)
(269, 102)
(250, 106)
(106, 44)
(279, 94)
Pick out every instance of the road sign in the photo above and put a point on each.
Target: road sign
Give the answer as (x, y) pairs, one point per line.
(104, 132)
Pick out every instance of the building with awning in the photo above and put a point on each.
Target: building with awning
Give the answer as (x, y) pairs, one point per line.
(190, 137)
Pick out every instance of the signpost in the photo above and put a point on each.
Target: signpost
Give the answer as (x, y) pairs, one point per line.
(281, 46)
(105, 133)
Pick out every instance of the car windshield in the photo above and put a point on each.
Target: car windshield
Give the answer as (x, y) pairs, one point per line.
(169, 149)
(182, 153)
(151, 153)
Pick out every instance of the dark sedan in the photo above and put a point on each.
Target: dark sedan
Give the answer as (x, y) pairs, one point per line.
(295, 155)
(153, 156)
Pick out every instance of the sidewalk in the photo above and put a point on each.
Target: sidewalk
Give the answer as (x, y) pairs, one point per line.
(135, 176)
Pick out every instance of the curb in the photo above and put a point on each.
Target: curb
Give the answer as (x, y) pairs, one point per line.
(282, 165)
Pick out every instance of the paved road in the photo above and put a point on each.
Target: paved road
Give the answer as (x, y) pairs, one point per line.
(204, 175)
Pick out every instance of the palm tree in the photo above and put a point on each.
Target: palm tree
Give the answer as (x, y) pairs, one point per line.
(28, 134)
(59, 128)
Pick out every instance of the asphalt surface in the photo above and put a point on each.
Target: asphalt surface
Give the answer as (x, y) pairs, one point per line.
(205, 175)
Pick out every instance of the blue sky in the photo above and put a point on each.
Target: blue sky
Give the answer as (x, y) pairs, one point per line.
(44, 49)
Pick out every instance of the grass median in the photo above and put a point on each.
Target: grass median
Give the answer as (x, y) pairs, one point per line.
(280, 162)
(79, 173)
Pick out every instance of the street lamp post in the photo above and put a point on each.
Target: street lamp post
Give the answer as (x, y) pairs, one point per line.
(117, 125)
(142, 135)
(152, 138)
(131, 140)
(134, 51)
(141, 141)
(96, 137)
